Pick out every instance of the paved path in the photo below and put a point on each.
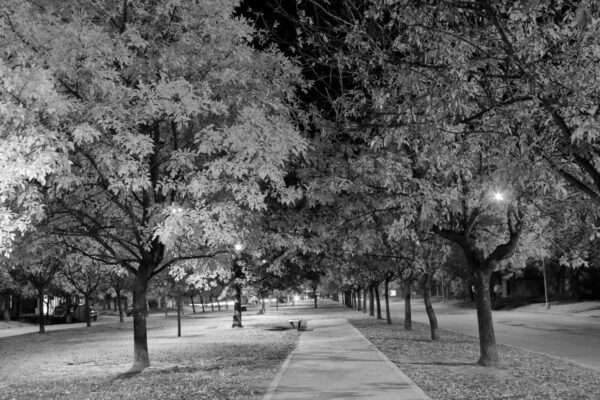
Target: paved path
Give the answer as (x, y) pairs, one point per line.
(334, 361)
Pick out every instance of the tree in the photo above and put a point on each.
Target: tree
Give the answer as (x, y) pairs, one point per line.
(37, 262)
(84, 276)
(119, 280)
(175, 128)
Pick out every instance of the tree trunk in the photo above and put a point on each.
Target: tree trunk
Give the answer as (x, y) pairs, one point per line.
(388, 316)
(202, 302)
(487, 339)
(237, 307)
(407, 310)
(141, 359)
(6, 306)
(165, 308)
(360, 307)
(433, 324)
(218, 304)
(179, 315)
(193, 305)
(212, 302)
(119, 306)
(377, 301)
(86, 310)
(364, 300)
(315, 295)
(371, 301)
(42, 319)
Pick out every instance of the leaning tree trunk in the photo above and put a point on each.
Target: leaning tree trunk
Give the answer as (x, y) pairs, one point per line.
(407, 310)
(433, 324)
(371, 302)
(237, 307)
(487, 339)
(141, 359)
(377, 301)
(388, 316)
(42, 319)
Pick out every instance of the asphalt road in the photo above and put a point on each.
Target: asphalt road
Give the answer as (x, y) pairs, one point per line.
(575, 338)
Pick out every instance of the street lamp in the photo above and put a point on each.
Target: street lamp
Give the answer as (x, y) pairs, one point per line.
(499, 196)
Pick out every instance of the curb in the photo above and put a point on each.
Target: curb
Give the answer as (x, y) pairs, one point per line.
(278, 375)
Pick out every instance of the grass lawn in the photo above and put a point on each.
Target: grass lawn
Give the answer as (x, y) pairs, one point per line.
(447, 370)
(210, 361)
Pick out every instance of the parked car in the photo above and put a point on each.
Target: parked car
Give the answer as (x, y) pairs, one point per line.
(73, 312)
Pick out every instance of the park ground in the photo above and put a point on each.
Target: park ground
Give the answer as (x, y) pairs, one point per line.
(213, 361)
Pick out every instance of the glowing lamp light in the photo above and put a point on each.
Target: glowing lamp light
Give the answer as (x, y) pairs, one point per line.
(238, 247)
(498, 196)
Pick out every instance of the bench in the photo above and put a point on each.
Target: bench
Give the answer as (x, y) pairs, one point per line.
(299, 324)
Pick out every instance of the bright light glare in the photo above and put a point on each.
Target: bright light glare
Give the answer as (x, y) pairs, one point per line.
(238, 247)
(296, 297)
(498, 196)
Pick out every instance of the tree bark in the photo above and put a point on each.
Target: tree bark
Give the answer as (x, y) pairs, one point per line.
(237, 307)
(407, 310)
(141, 359)
(377, 300)
(218, 304)
(371, 301)
(193, 305)
(86, 305)
(433, 324)
(364, 308)
(388, 316)
(165, 308)
(315, 295)
(178, 315)
(202, 302)
(42, 319)
(360, 307)
(5, 302)
(120, 306)
(487, 339)
(212, 302)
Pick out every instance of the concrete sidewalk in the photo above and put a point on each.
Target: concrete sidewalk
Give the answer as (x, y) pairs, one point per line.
(334, 361)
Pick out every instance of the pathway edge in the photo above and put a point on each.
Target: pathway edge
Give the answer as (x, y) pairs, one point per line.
(402, 375)
(275, 382)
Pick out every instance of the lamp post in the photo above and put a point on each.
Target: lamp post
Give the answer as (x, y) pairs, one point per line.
(547, 306)
(238, 275)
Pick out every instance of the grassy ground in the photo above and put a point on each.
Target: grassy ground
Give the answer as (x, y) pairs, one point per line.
(214, 361)
(447, 370)
(210, 361)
